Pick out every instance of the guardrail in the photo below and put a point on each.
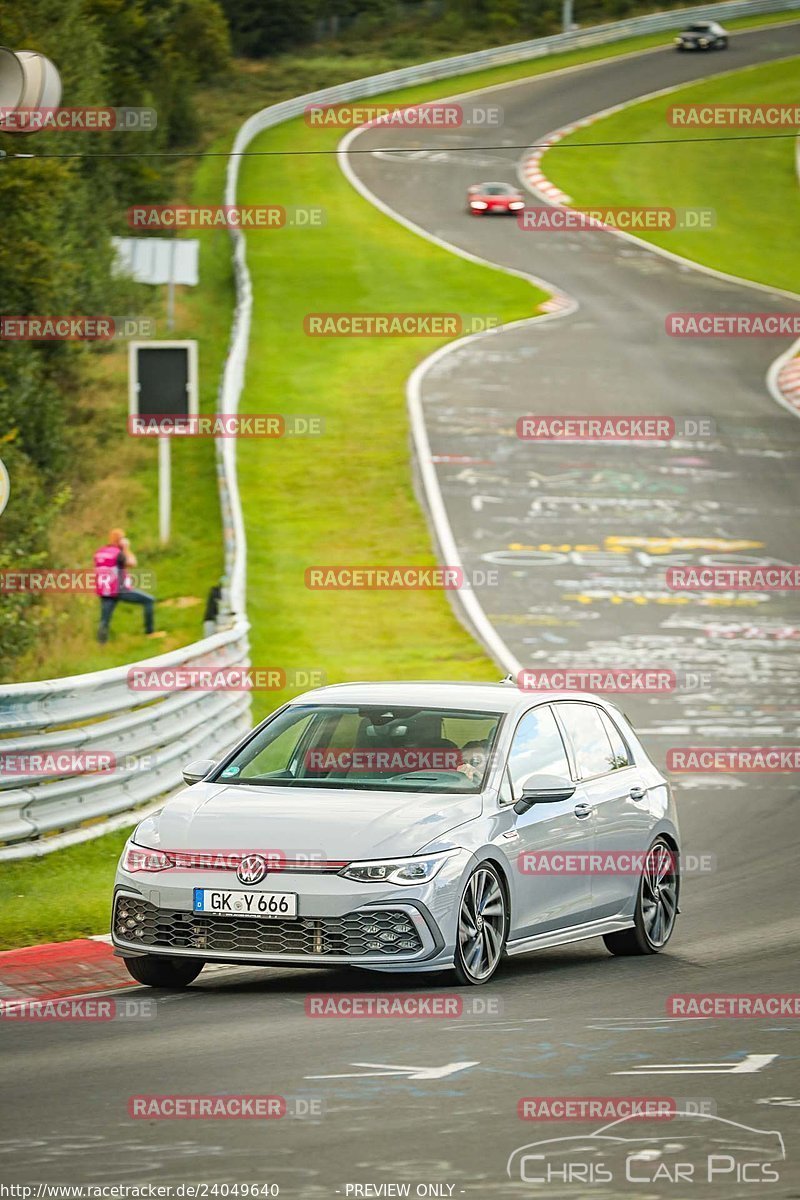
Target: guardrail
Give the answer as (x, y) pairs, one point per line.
(150, 735)
(98, 710)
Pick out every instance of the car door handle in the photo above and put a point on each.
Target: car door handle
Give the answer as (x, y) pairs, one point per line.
(582, 810)
(637, 792)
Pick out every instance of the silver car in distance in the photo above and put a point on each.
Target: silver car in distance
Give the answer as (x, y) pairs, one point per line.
(405, 827)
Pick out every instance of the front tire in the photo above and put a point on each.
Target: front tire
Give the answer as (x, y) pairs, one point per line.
(158, 972)
(482, 926)
(656, 905)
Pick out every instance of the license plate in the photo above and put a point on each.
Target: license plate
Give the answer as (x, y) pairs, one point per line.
(245, 904)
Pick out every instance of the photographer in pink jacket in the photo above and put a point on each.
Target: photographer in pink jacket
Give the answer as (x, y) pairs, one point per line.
(112, 585)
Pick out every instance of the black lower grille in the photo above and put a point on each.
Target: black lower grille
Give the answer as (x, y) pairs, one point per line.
(387, 932)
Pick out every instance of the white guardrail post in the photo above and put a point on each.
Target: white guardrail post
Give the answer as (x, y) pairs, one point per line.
(99, 710)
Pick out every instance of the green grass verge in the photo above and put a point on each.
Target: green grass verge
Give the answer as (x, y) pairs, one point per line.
(751, 185)
(63, 895)
(342, 497)
(346, 496)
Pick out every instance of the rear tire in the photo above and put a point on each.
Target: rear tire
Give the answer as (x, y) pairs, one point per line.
(656, 905)
(164, 972)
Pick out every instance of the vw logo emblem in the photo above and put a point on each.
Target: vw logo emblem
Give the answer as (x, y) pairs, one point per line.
(251, 869)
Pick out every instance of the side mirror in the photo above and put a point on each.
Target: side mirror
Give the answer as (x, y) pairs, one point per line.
(198, 769)
(543, 789)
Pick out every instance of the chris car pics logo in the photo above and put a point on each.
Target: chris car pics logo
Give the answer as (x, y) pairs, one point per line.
(691, 1152)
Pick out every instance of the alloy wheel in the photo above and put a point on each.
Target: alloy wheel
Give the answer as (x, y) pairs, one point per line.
(482, 925)
(659, 895)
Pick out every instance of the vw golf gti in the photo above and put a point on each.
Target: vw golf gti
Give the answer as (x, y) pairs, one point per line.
(410, 827)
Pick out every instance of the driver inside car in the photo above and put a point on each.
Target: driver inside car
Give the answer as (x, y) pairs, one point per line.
(474, 756)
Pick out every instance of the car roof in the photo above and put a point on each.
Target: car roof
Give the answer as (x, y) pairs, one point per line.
(496, 183)
(480, 697)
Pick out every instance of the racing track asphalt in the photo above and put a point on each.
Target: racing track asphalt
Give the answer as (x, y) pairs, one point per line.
(570, 1019)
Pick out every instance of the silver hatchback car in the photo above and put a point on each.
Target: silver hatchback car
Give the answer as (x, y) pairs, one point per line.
(405, 827)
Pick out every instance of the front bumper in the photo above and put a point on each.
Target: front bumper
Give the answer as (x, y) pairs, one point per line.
(495, 209)
(340, 922)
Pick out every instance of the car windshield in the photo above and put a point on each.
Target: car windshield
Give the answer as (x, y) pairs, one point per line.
(496, 189)
(370, 747)
(698, 28)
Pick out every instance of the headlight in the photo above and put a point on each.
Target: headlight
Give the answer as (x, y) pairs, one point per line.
(404, 871)
(478, 204)
(140, 858)
(678, 41)
(703, 41)
(515, 204)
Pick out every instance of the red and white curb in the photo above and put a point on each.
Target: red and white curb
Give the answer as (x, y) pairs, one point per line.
(557, 303)
(788, 382)
(531, 170)
(530, 166)
(56, 970)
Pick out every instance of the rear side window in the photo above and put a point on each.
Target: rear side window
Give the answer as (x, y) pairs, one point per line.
(620, 752)
(593, 750)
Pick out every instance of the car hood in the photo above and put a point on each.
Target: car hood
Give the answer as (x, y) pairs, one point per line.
(338, 825)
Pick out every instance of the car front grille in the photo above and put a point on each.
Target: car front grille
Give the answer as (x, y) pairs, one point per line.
(387, 932)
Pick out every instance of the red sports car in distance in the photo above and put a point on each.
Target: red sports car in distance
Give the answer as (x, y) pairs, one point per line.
(494, 197)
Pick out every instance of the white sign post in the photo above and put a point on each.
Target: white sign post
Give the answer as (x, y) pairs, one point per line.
(162, 383)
